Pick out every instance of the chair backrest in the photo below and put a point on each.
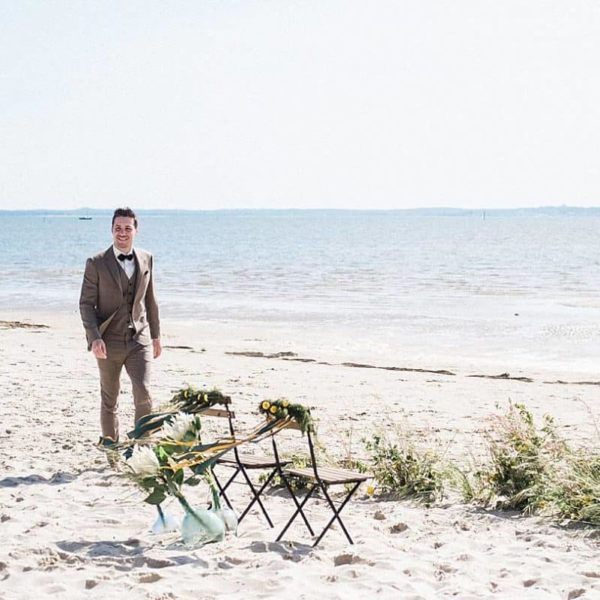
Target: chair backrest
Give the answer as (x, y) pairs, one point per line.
(218, 412)
(311, 448)
(228, 414)
(222, 413)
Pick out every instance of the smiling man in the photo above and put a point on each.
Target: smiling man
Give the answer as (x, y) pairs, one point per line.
(121, 321)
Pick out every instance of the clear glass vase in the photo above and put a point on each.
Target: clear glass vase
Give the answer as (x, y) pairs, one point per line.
(201, 526)
(165, 523)
(229, 519)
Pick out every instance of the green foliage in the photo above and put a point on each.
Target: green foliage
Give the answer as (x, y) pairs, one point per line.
(533, 470)
(573, 493)
(406, 472)
(519, 470)
(297, 483)
(355, 464)
(193, 400)
(283, 409)
(159, 493)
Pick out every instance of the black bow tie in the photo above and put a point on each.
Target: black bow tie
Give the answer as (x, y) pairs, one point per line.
(125, 256)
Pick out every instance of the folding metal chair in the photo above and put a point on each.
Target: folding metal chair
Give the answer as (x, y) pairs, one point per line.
(242, 463)
(321, 478)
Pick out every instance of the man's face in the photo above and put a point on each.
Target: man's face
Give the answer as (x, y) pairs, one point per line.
(123, 231)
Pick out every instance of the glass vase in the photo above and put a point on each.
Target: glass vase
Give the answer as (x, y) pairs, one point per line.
(165, 523)
(229, 519)
(201, 526)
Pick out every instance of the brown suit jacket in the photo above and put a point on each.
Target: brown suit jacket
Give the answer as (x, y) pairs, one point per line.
(102, 295)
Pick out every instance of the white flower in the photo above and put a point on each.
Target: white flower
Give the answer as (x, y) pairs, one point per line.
(143, 461)
(179, 426)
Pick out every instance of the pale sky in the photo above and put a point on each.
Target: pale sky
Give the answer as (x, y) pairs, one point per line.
(299, 104)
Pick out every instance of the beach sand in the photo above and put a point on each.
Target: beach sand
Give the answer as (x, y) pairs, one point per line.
(72, 527)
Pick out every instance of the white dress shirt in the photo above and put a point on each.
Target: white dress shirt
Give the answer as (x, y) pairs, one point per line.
(127, 265)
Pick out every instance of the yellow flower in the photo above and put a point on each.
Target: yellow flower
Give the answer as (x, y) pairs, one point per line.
(370, 490)
(265, 405)
(285, 403)
(273, 410)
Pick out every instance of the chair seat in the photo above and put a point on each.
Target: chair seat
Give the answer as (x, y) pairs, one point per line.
(330, 475)
(251, 461)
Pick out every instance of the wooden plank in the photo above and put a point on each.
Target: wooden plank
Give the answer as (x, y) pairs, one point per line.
(252, 461)
(330, 475)
(217, 412)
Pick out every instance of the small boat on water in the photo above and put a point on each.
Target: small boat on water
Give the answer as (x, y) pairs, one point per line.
(85, 218)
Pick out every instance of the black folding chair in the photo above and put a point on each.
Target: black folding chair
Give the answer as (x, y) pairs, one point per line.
(242, 463)
(320, 478)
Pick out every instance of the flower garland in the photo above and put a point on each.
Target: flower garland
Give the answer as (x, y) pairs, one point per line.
(282, 410)
(187, 400)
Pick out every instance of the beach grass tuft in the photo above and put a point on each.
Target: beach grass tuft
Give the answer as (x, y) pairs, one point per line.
(403, 470)
(532, 469)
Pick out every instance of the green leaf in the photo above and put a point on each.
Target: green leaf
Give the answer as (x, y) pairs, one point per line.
(201, 468)
(157, 496)
(189, 436)
(178, 479)
(147, 483)
(193, 481)
(169, 449)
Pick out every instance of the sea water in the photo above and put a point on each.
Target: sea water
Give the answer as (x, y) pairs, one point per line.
(464, 284)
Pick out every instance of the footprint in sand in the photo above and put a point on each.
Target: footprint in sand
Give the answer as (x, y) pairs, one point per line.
(234, 560)
(593, 574)
(350, 559)
(398, 528)
(149, 578)
(158, 563)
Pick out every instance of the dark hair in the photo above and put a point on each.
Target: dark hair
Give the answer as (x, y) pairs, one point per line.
(124, 212)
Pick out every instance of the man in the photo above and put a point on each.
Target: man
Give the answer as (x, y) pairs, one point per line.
(120, 317)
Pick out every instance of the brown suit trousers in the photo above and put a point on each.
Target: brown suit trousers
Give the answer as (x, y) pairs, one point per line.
(137, 360)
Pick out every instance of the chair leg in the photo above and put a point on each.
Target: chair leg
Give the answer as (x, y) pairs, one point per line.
(222, 490)
(230, 480)
(257, 495)
(293, 495)
(336, 513)
(299, 508)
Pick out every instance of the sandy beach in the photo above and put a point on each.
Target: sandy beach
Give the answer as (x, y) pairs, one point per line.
(72, 527)
(380, 216)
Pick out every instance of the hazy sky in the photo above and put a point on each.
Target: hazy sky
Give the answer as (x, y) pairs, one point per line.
(324, 103)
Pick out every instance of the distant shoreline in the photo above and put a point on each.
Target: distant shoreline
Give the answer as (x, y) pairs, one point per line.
(553, 211)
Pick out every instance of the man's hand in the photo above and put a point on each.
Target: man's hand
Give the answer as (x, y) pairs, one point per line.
(99, 348)
(157, 348)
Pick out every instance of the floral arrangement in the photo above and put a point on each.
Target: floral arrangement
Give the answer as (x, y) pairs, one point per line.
(159, 468)
(282, 410)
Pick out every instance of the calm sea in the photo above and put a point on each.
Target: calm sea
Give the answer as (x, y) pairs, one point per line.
(527, 284)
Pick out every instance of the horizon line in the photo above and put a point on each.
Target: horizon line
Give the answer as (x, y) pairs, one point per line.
(561, 207)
